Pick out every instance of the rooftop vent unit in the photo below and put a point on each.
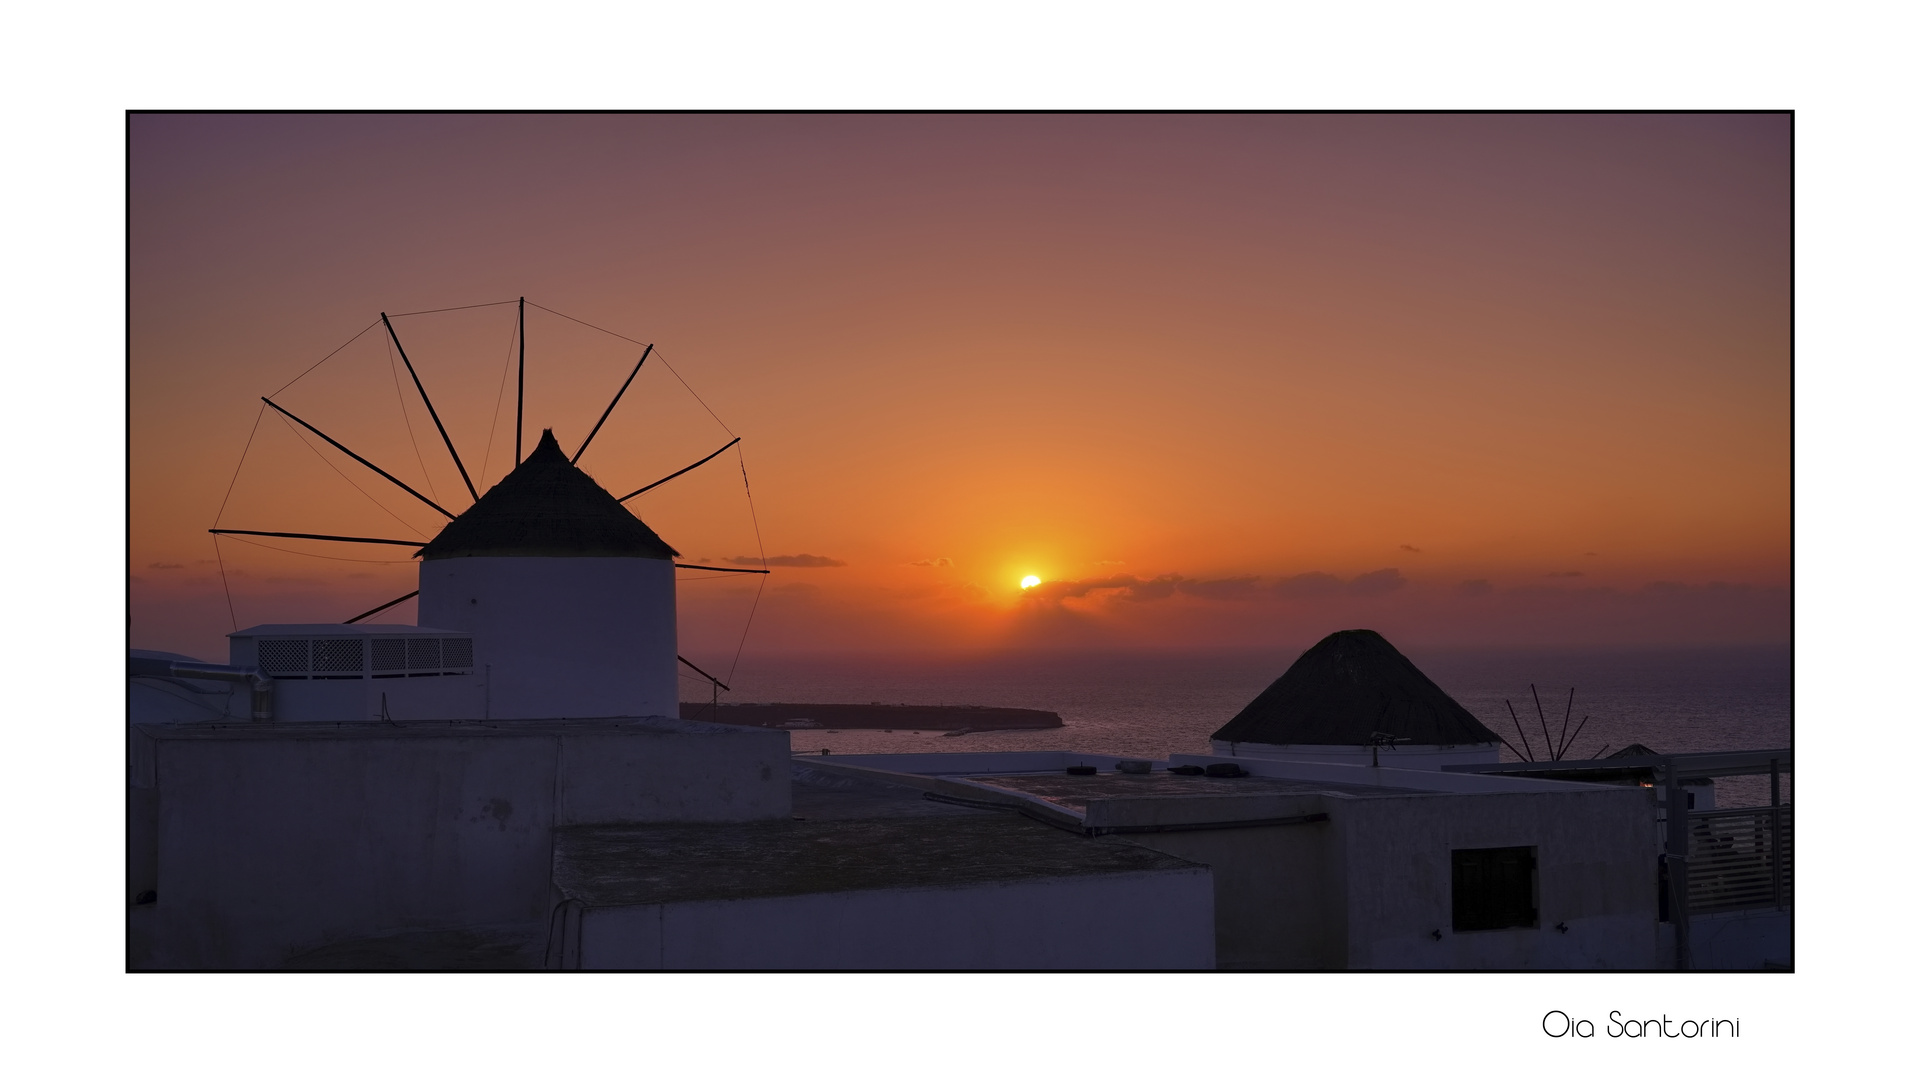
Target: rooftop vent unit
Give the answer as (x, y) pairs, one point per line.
(341, 651)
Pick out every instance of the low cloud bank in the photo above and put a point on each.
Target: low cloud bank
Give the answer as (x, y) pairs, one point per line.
(1300, 586)
(804, 561)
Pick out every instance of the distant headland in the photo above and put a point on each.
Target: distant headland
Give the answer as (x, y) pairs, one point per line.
(874, 716)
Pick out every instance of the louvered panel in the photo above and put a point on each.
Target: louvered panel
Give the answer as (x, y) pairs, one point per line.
(1735, 862)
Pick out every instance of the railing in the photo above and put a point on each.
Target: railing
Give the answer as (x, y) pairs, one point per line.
(1739, 859)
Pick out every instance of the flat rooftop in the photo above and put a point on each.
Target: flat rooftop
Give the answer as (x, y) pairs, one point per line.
(846, 835)
(622, 865)
(321, 730)
(1075, 792)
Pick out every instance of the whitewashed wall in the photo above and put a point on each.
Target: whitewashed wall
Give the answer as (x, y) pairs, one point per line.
(562, 637)
(263, 841)
(1157, 920)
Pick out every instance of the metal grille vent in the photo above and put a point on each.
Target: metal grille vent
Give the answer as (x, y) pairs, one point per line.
(456, 652)
(423, 654)
(389, 654)
(339, 655)
(283, 657)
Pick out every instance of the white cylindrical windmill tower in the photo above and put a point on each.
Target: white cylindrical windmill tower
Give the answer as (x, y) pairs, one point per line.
(568, 595)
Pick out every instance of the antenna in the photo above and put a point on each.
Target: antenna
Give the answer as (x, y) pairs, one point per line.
(1379, 739)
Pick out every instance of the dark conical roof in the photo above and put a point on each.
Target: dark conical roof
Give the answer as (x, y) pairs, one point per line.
(1635, 750)
(1346, 688)
(547, 507)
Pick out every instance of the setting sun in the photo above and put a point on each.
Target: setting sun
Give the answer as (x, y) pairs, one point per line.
(1029, 581)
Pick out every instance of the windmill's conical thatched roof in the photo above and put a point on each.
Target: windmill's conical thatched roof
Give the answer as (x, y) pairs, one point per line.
(547, 507)
(1635, 750)
(1341, 691)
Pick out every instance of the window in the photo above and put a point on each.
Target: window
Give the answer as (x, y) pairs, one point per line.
(1494, 888)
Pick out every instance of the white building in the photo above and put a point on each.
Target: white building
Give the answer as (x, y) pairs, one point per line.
(1321, 867)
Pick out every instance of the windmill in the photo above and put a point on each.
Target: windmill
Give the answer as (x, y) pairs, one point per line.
(568, 595)
(1556, 746)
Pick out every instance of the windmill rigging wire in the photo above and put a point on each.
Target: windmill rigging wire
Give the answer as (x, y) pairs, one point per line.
(494, 428)
(239, 465)
(463, 307)
(323, 458)
(326, 358)
(656, 353)
(763, 561)
(224, 587)
(400, 397)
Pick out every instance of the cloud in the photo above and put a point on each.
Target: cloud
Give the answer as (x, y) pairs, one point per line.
(807, 561)
(1410, 547)
(1377, 582)
(1310, 584)
(941, 561)
(1317, 583)
(1141, 590)
(1675, 588)
(1235, 588)
(166, 566)
(1566, 573)
(1111, 562)
(1127, 586)
(1476, 587)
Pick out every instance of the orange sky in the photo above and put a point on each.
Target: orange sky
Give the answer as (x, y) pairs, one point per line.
(1220, 380)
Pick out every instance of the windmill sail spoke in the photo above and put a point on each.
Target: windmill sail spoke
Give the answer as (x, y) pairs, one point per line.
(385, 606)
(417, 385)
(318, 536)
(688, 469)
(336, 445)
(703, 674)
(616, 400)
(722, 569)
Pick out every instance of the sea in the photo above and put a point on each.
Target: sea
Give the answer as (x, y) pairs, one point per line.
(1150, 704)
